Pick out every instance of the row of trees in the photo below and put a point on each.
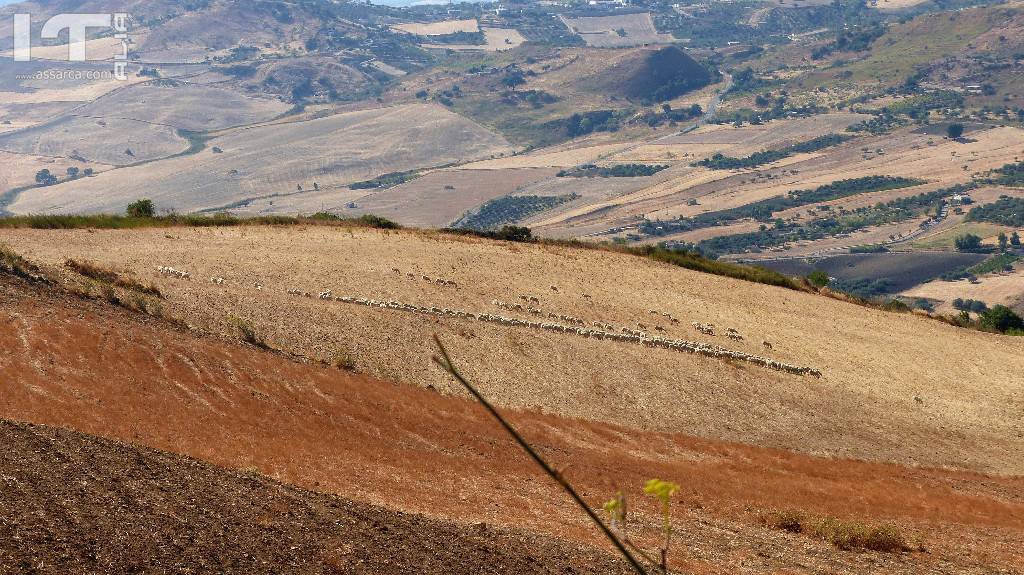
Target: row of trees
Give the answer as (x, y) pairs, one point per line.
(45, 177)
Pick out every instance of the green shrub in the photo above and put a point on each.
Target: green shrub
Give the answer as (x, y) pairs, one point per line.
(141, 209)
(1002, 319)
(818, 278)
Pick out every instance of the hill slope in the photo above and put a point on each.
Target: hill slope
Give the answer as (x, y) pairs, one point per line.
(873, 363)
(103, 370)
(655, 76)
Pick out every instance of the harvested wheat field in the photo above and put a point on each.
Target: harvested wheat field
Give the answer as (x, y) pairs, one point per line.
(275, 159)
(114, 141)
(185, 106)
(438, 28)
(17, 170)
(617, 31)
(123, 375)
(1003, 288)
(873, 363)
(495, 40)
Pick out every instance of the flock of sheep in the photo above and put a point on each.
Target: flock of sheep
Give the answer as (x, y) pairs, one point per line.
(603, 331)
(628, 335)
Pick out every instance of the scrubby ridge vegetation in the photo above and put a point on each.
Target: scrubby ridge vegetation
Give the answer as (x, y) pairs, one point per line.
(510, 209)
(114, 222)
(616, 171)
(722, 162)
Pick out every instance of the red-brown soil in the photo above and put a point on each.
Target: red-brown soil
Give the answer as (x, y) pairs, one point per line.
(109, 372)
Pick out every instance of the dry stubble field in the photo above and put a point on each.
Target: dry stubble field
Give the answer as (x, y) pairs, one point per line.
(873, 362)
(328, 151)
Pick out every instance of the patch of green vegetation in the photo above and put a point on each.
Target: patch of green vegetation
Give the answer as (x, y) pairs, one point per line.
(864, 288)
(616, 171)
(510, 209)
(869, 249)
(996, 263)
(694, 261)
(922, 41)
(945, 240)
(856, 40)
(721, 162)
(845, 535)
(461, 37)
(1010, 175)
(385, 181)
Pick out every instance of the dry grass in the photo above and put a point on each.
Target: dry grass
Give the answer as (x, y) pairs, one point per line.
(111, 277)
(846, 535)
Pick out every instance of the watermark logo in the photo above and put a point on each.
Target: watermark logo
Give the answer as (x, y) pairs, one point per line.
(77, 26)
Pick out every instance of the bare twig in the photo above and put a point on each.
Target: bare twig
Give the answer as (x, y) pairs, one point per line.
(446, 363)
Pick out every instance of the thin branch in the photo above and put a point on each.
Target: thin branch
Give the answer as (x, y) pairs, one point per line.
(446, 363)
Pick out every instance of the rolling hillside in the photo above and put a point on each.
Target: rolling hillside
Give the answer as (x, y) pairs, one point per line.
(873, 363)
(108, 371)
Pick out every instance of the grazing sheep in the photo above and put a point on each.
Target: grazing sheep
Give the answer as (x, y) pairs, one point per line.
(918, 399)
(169, 271)
(704, 328)
(554, 288)
(626, 335)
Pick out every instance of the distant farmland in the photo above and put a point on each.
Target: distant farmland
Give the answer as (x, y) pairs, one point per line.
(903, 270)
(617, 31)
(278, 159)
